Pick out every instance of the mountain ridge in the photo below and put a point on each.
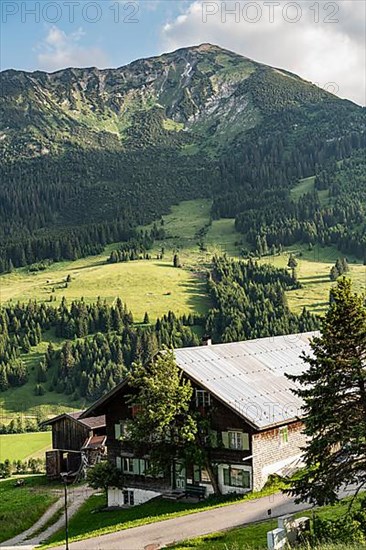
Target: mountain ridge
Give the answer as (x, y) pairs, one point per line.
(195, 86)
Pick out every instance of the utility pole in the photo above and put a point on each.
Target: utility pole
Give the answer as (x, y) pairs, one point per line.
(64, 479)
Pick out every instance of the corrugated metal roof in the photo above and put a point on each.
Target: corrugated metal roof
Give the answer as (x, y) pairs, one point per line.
(92, 422)
(249, 376)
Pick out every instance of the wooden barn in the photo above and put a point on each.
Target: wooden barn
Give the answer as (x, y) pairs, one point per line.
(73, 438)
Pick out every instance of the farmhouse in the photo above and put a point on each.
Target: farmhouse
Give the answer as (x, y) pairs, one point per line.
(256, 427)
(72, 436)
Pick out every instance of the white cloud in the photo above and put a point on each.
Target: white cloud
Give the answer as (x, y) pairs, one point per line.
(59, 50)
(329, 52)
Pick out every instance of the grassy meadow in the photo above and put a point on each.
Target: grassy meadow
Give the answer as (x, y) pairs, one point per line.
(22, 401)
(21, 507)
(24, 446)
(156, 286)
(313, 273)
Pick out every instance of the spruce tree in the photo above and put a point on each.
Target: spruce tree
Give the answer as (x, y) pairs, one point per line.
(333, 389)
(292, 264)
(334, 273)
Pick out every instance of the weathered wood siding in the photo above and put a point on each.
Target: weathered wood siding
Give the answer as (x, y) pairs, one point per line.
(68, 434)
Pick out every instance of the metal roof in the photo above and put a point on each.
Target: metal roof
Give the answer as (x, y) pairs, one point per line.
(249, 376)
(92, 422)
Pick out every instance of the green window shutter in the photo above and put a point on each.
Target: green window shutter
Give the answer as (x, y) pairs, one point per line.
(142, 467)
(136, 466)
(245, 477)
(245, 442)
(213, 438)
(225, 439)
(119, 463)
(196, 473)
(117, 431)
(226, 476)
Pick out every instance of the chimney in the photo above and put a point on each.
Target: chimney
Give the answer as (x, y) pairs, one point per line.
(206, 340)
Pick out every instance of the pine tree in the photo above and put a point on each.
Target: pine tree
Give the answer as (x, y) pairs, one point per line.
(176, 261)
(334, 393)
(292, 264)
(334, 273)
(42, 372)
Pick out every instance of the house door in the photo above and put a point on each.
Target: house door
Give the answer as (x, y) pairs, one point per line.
(180, 476)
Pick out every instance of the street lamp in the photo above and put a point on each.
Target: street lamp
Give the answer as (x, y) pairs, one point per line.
(64, 476)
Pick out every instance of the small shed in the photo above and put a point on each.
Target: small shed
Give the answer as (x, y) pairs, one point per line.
(72, 435)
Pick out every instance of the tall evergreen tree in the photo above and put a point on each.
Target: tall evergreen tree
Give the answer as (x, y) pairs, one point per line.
(334, 392)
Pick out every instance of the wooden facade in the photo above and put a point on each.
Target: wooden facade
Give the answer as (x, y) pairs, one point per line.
(235, 450)
(70, 435)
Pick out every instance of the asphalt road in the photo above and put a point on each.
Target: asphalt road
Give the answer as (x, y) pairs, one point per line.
(157, 535)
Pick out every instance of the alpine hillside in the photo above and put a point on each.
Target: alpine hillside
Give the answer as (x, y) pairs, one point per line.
(89, 154)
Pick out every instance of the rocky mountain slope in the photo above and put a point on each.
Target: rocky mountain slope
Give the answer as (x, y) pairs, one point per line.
(194, 95)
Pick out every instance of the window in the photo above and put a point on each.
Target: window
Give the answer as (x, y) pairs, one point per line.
(137, 466)
(121, 430)
(236, 477)
(128, 498)
(124, 429)
(205, 478)
(235, 440)
(117, 431)
(200, 475)
(203, 398)
(128, 465)
(144, 466)
(283, 435)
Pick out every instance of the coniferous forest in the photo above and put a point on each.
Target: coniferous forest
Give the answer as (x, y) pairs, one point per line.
(102, 341)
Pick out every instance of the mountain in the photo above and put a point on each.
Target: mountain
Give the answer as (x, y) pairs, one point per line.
(206, 91)
(119, 146)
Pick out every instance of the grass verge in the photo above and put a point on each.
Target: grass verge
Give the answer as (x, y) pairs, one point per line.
(254, 536)
(21, 507)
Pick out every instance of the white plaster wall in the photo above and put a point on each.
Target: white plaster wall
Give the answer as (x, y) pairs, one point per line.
(115, 496)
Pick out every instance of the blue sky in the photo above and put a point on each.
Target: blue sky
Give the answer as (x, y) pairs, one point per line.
(122, 32)
(322, 41)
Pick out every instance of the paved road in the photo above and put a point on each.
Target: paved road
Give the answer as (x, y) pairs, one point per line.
(157, 535)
